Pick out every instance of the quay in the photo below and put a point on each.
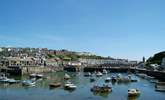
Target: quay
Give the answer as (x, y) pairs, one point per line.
(124, 69)
(18, 71)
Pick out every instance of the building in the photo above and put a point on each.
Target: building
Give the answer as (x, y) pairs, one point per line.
(84, 53)
(53, 62)
(108, 62)
(74, 63)
(21, 61)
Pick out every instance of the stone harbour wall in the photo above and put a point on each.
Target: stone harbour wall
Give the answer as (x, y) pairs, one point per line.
(29, 70)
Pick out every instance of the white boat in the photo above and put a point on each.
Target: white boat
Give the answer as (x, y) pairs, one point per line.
(130, 76)
(108, 79)
(126, 79)
(3, 76)
(133, 92)
(28, 83)
(105, 71)
(66, 76)
(69, 86)
(88, 74)
(33, 75)
(11, 81)
(99, 74)
(119, 76)
(39, 75)
(4, 80)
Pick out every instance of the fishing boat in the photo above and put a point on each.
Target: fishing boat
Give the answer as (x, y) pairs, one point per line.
(133, 92)
(105, 71)
(66, 76)
(70, 86)
(108, 79)
(99, 74)
(54, 85)
(28, 83)
(101, 89)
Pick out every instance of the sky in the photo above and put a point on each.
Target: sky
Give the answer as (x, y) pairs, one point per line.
(127, 29)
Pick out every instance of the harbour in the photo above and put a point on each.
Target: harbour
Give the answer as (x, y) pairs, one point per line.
(42, 91)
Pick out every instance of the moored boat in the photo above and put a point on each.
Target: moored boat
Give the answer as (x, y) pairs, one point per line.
(134, 80)
(87, 74)
(133, 92)
(54, 85)
(108, 79)
(125, 79)
(99, 74)
(118, 76)
(105, 71)
(39, 76)
(70, 86)
(34, 75)
(113, 78)
(12, 81)
(66, 76)
(3, 78)
(101, 89)
(28, 83)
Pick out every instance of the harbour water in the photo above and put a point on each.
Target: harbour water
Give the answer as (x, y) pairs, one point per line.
(42, 91)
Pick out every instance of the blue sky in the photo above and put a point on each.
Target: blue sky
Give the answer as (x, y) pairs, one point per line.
(118, 28)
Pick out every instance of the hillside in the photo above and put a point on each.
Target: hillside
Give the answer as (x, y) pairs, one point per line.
(156, 59)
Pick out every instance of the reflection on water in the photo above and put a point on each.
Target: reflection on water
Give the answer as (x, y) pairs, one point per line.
(105, 95)
(42, 91)
(132, 98)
